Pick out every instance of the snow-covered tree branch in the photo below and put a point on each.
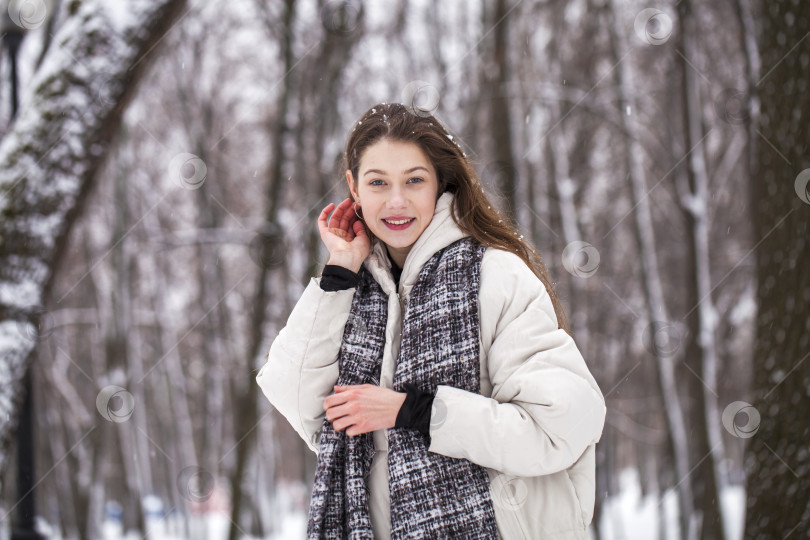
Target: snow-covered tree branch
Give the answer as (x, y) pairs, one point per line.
(69, 116)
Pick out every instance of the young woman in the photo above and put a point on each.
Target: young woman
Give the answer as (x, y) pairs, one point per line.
(430, 367)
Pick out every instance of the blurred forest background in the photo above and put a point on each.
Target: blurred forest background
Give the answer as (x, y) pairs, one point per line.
(163, 163)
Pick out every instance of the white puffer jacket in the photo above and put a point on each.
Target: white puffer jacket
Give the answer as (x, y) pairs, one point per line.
(533, 427)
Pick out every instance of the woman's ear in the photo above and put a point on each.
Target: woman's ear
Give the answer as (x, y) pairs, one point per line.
(350, 181)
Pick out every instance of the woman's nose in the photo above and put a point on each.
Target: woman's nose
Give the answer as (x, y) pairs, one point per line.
(397, 199)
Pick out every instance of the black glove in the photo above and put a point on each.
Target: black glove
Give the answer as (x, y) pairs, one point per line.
(415, 412)
(338, 278)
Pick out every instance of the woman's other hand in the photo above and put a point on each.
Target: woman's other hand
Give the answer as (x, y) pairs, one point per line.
(345, 236)
(362, 408)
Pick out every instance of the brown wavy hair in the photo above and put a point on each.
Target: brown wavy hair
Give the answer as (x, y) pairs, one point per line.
(478, 216)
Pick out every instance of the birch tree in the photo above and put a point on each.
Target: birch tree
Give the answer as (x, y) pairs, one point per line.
(49, 159)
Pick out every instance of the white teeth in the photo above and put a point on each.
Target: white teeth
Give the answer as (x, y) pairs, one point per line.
(400, 222)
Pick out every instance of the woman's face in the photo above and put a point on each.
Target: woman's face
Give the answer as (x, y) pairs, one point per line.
(396, 182)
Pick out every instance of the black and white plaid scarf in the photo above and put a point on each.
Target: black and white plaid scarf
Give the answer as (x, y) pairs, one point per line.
(432, 495)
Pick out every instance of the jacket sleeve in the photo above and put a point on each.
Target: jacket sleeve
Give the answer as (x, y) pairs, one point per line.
(545, 409)
(302, 368)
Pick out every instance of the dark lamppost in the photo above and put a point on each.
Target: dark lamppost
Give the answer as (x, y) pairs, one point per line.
(15, 20)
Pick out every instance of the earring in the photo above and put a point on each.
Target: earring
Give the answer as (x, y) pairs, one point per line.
(355, 211)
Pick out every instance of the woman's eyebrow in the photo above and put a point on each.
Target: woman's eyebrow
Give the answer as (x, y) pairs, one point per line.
(378, 171)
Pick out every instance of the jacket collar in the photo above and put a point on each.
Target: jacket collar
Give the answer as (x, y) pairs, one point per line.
(440, 233)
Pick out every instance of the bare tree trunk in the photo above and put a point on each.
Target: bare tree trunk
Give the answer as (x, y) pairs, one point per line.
(116, 324)
(748, 44)
(81, 485)
(437, 29)
(90, 480)
(301, 168)
(653, 289)
(777, 425)
(46, 169)
(329, 66)
(199, 116)
(246, 416)
(701, 354)
(137, 433)
(56, 375)
(179, 420)
(565, 187)
(496, 75)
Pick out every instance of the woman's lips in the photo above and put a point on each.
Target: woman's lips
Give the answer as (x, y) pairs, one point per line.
(398, 227)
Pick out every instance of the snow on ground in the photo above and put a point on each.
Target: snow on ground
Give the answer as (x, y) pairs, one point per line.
(211, 527)
(625, 516)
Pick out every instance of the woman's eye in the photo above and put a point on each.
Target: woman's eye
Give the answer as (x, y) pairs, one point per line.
(411, 178)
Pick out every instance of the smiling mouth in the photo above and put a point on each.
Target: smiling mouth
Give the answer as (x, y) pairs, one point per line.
(399, 225)
(398, 221)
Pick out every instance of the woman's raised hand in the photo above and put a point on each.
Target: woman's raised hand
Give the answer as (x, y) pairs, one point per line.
(344, 236)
